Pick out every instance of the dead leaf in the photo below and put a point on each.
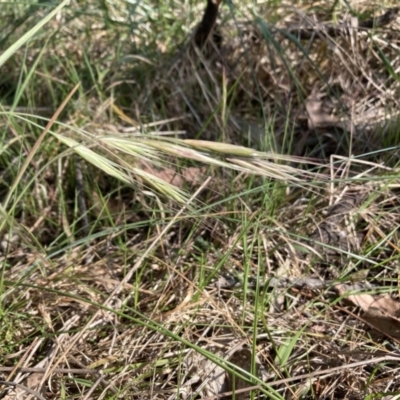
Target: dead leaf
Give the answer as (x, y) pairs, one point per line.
(386, 323)
(382, 312)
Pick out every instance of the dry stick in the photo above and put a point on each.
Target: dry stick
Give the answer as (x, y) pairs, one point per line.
(203, 30)
(309, 375)
(18, 385)
(334, 31)
(76, 371)
(92, 389)
(127, 277)
(207, 23)
(355, 316)
(22, 360)
(374, 327)
(83, 367)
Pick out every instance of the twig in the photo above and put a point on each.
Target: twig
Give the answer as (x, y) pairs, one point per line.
(75, 371)
(18, 385)
(94, 386)
(309, 375)
(301, 283)
(207, 23)
(334, 31)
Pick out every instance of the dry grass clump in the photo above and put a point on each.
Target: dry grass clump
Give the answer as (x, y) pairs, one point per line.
(288, 78)
(167, 316)
(140, 264)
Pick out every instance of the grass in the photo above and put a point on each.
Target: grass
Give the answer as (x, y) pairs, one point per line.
(174, 227)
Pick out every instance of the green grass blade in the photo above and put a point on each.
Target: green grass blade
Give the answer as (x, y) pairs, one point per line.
(30, 34)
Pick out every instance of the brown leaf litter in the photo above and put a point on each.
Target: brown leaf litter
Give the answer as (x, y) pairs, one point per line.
(381, 311)
(265, 70)
(333, 352)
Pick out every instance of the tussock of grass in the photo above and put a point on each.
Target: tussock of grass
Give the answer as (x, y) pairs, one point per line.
(139, 260)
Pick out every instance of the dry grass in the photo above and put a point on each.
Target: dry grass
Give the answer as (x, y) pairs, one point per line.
(269, 87)
(139, 263)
